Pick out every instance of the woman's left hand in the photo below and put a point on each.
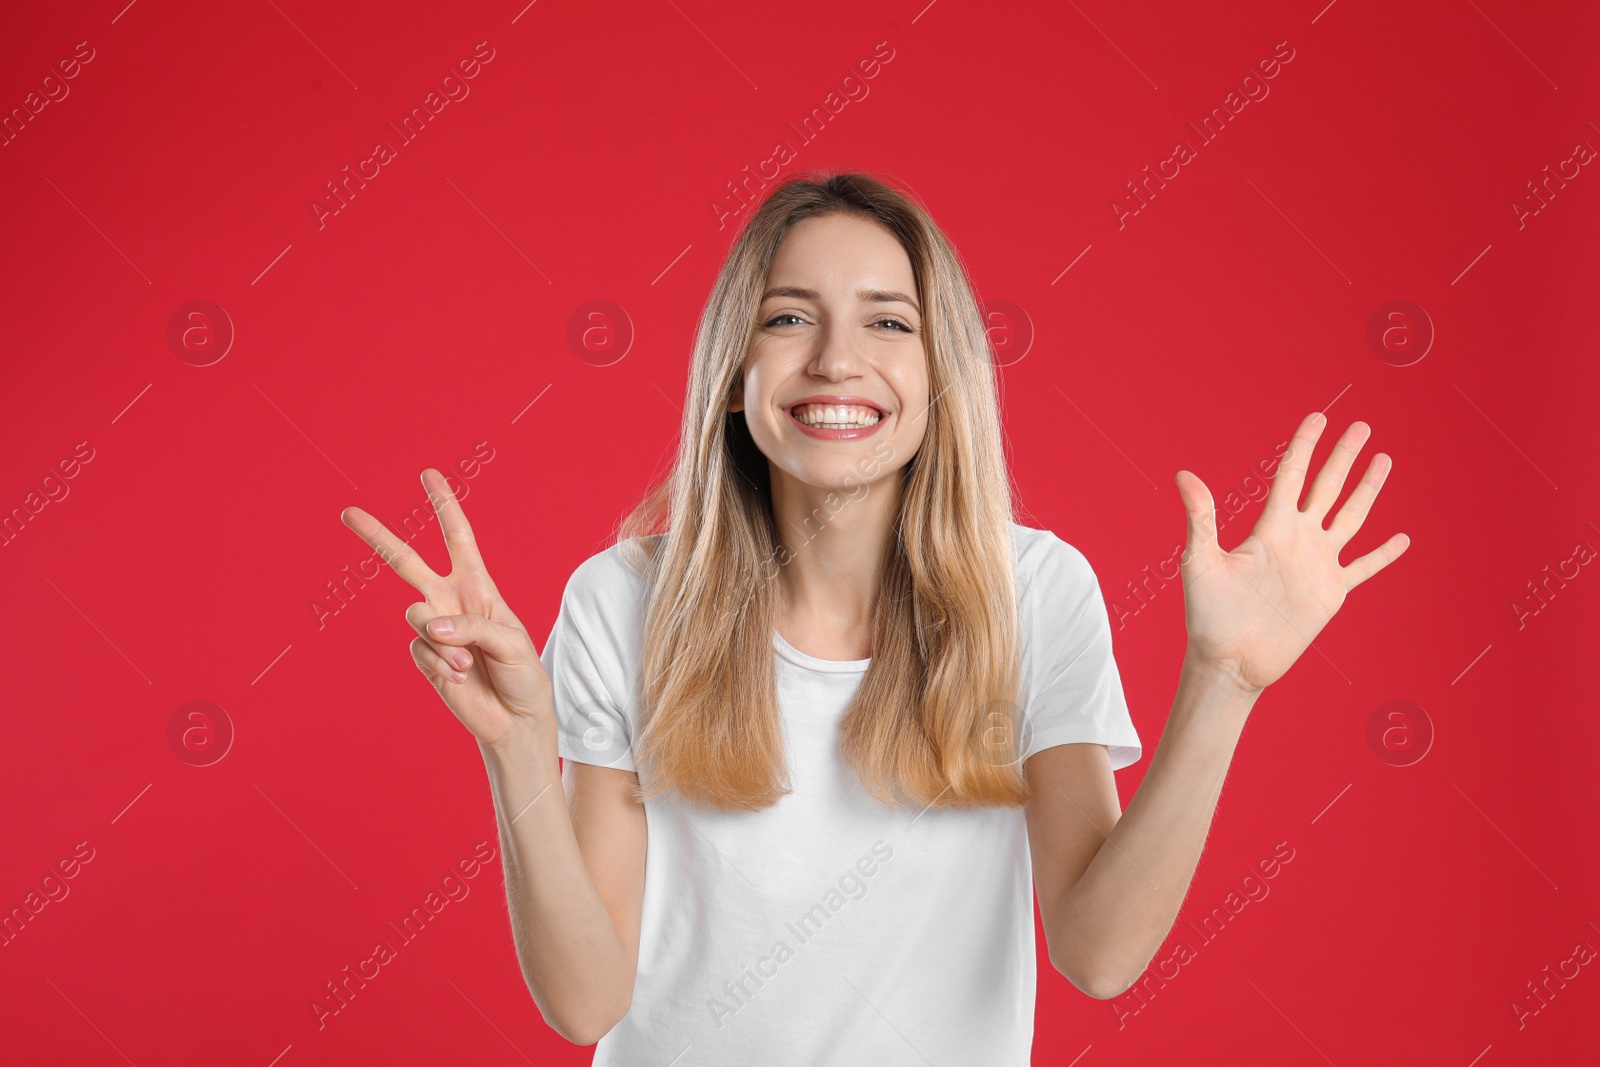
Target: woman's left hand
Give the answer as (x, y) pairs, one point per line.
(1251, 612)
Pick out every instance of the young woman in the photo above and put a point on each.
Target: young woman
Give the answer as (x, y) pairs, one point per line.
(826, 710)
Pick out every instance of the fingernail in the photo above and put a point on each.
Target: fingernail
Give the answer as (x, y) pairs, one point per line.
(442, 626)
(460, 658)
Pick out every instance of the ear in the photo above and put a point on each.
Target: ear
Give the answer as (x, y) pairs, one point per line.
(736, 399)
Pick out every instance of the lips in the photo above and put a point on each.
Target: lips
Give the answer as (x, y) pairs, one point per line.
(836, 417)
(837, 400)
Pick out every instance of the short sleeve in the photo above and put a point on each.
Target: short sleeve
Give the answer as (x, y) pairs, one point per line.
(592, 657)
(1071, 688)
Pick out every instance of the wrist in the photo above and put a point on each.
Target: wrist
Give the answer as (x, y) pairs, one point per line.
(1222, 676)
(522, 745)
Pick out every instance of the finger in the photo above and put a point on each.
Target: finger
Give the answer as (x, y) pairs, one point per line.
(453, 521)
(435, 669)
(1373, 562)
(393, 551)
(419, 615)
(1291, 475)
(1354, 513)
(1200, 550)
(1330, 479)
(500, 642)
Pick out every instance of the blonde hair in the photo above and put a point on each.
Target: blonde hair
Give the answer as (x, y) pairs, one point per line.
(935, 720)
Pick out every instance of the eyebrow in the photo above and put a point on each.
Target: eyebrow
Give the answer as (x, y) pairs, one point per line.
(871, 296)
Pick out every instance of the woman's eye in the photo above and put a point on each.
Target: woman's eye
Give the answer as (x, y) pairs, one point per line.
(779, 320)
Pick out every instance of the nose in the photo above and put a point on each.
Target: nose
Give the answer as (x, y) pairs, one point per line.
(837, 357)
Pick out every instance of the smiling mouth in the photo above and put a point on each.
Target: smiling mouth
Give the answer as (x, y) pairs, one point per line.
(836, 416)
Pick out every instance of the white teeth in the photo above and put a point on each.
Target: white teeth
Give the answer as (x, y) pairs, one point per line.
(837, 417)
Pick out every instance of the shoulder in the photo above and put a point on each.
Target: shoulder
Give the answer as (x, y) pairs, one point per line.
(1045, 561)
(594, 653)
(608, 593)
(600, 627)
(613, 575)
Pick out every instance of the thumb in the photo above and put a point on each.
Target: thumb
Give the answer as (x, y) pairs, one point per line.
(502, 643)
(1201, 548)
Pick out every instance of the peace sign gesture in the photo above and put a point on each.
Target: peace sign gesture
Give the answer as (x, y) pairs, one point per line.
(469, 644)
(1254, 610)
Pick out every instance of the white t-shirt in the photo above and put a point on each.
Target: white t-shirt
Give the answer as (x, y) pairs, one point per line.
(830, 928)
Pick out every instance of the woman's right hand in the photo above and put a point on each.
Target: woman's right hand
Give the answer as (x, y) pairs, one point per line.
(486, 668)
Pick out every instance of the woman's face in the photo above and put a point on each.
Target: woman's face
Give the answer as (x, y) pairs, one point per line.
(835, 388)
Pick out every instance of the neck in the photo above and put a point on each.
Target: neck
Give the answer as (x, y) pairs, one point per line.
(837, 541)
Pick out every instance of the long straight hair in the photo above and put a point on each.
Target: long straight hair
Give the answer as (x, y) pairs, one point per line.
(935, 720)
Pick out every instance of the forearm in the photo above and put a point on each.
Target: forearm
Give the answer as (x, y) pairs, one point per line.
(572, 959)
(1107, 927)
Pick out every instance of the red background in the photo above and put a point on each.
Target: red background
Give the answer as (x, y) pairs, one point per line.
(587, 163)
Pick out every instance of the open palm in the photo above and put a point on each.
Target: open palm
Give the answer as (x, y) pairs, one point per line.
(487, 668)
(1254, 610)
